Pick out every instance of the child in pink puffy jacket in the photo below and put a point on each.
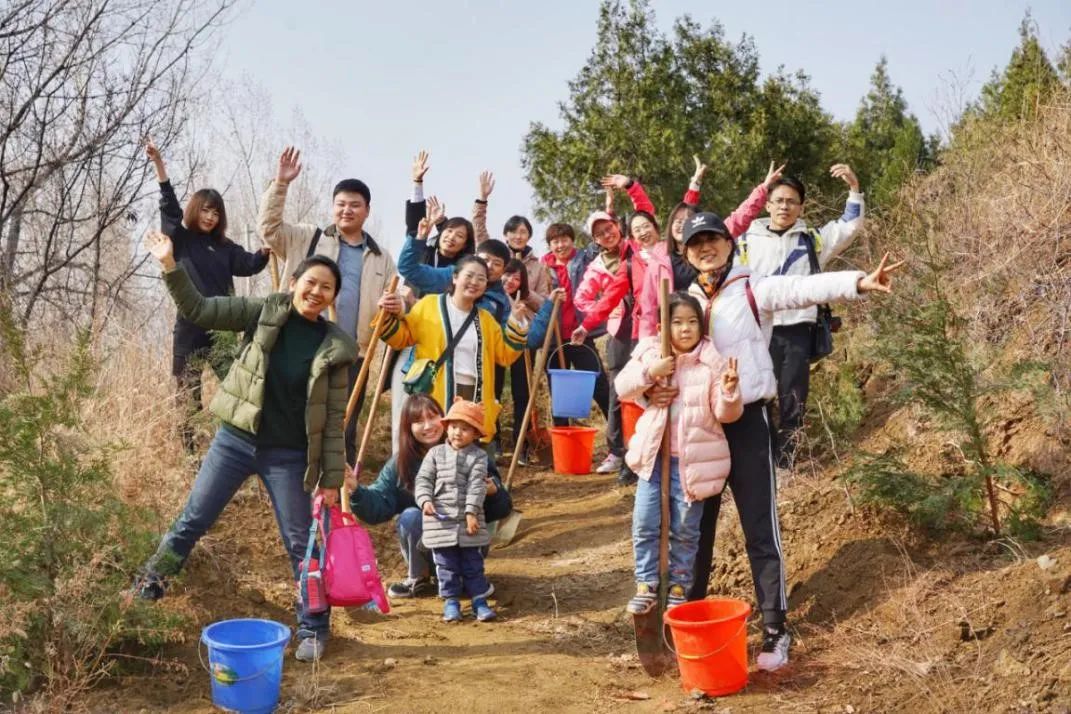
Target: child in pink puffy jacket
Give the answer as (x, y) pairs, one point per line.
(699, 454)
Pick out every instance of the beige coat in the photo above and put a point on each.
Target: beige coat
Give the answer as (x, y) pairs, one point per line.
(291, 243)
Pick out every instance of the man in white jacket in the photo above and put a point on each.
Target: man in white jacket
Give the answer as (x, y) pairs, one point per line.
(778, 245)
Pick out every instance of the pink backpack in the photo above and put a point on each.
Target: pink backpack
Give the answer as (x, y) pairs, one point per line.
(348, 560)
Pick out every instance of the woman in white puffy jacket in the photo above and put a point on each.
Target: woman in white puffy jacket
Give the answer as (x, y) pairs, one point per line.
(740, 317)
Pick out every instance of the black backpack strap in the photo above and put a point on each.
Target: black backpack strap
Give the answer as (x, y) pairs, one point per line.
(312, 245)
(451, 339)
(812, 254)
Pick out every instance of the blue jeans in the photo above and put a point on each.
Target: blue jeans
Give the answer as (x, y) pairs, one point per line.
(460, 570)
(684, 521)
(229, 461)
(410, 526)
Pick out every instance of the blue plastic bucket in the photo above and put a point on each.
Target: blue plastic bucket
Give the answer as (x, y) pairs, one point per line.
(245, 663)
(571, 391)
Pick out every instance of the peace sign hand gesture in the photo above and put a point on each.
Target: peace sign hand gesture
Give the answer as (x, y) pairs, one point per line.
(730, 378)
(880, 281)
(518, 311)
(423, 229)
(161, 248)
(436, 211)
(289, 165)
(773, 174)
(420, 166)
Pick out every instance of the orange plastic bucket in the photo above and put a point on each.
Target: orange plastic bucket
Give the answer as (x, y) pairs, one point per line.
(711, 641)
(630, 414)
(572, 447)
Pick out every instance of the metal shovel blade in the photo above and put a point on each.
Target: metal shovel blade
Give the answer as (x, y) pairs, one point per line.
(507, 528)
(653, 656)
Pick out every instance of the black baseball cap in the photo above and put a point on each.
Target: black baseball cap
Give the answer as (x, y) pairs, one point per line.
(704, 223)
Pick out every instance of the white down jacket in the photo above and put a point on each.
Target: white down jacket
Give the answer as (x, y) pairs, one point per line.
(736, 332)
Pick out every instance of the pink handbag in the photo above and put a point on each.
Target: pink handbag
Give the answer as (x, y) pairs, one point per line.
(348, 560)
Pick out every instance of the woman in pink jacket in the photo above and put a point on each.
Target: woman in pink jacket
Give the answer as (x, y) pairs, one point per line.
(667, 257)
(708, 395)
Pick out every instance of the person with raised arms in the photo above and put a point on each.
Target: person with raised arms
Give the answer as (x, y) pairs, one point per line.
(739, 312)
(366, 268)
(280, 406)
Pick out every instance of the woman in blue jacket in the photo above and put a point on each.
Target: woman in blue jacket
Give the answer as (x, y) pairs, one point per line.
(392, 493)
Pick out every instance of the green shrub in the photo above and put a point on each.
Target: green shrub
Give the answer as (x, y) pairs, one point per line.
(68, 543)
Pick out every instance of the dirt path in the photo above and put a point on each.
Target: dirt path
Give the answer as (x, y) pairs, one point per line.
(876, 627)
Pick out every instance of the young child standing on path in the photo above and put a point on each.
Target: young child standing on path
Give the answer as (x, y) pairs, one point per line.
(450, 489)
(708, 396)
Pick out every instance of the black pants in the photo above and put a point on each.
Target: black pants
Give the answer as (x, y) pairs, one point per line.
(518, 387)
(790, 350)
(587, 359)
(191, 349)
(617, 356)
(351, 428)
(752, 480)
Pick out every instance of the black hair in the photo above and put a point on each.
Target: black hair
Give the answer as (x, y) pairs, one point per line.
(496, 249)
(683, 298)
(460, 265)
(668, 235)
(793, 183)
(206, 198)
(646, 214)
(516, 266)
(556, 230)
(470, 233)
(516, 222)
(314, 260)
(353, 186)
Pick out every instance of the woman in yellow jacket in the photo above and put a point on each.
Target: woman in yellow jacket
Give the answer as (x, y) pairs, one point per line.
(469, 371)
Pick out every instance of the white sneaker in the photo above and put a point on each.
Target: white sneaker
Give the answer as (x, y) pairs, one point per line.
(610, 465)
(775, 644)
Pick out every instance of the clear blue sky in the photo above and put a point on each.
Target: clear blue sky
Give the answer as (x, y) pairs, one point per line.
(464, 78)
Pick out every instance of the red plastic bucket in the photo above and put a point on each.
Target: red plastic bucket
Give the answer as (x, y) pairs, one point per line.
(710, 637)
(572, 447)
(630, 414)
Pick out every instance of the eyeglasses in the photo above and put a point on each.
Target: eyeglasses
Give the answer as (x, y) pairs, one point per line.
(790, 202)
(605, 232)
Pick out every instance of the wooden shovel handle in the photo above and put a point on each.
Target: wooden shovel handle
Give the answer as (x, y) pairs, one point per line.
(362, 376)
(541, 359)
(663, 540)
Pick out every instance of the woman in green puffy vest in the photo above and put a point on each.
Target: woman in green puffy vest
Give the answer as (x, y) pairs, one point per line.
(281, 406)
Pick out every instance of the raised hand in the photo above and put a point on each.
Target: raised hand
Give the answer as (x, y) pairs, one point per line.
(487, 184)
(289, 165)
(730, 378)
(844, 173)
(663, 367)
(424, 229)
(773, 174)
(420, 166)
(436, 210)
(152, 152)
(880, 281)
(700, 169)
(618, 181)
(161, 248)
(518, 311)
